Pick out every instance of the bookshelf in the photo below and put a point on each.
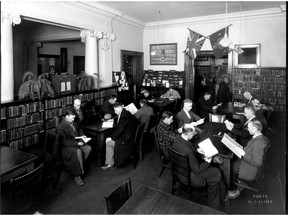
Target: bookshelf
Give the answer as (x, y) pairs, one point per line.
(22, 122)
(266, 83)
(158, 82)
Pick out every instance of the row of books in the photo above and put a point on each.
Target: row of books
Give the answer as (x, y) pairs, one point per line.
(58, 102)
(279, 101)
(18, 133)
(52, 123)
(270, 86)
(21, 109)
(24, 142)
(273, 80)
(54, 112)
(246, 85)
(247, 78)
(3, 113)
(273, 72)
(246, 71)
(24, 120)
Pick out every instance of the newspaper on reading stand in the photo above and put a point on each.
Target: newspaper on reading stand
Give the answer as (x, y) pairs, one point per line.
(235, 147)
(131, 108)
(208, 148)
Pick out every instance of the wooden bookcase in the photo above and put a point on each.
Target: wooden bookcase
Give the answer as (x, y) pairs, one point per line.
(266, 83)
(158, 82)
(22, 122)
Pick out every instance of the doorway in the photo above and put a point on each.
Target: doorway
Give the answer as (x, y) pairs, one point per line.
(133, 65)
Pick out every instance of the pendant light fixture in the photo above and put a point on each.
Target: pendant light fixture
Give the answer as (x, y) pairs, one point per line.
(225, 41)
(239, 50)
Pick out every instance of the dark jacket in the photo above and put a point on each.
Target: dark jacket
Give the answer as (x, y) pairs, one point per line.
(223, 94)
(123, 135)
(205, 107)
(143, 116)
(182, 118)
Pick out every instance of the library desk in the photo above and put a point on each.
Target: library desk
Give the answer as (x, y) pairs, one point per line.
(93, 128)
(162, 104)
(15, 163)
(232, 112)
(147, 200)
(211, 130)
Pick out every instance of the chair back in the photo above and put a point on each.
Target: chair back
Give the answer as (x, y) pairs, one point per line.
(138, 137)
(180, 167)
(153, 122)
(24, 192)
(217, 118)
(118, 197)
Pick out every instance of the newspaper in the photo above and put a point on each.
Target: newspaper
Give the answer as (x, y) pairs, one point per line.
(108, 124)
(83, 139)
(235, 147)
(131, 108)
(208, 148)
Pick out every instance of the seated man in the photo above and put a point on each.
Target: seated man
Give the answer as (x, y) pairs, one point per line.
(201, 171)
(240, 130)
(171, 94)
(119, 144)
(259, 111)
(143, 114)
(107, 110)
(73, 150)
(248, 165)
(248, 97)
(145, 94)
(186, 116)
(206, 105)
(78, 110)
(165, 131)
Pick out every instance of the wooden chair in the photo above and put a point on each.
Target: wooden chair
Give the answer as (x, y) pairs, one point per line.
(118, 197)
(24, 192)
(153, 122)
(257, 184)
(181, 171)
(217, 118)
(164, 161)
(137, 147)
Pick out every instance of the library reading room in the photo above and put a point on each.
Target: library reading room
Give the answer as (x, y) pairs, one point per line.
(143, 107)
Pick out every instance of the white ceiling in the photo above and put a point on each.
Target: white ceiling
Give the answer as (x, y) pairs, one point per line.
(148, 11)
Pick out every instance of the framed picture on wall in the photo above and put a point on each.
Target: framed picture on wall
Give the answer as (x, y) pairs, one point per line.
(250, 56)
(163, 54)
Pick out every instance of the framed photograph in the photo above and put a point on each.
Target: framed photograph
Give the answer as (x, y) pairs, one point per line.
(163, 54)
(249, 58)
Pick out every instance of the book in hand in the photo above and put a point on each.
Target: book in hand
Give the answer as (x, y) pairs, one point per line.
(82, 139)
(208, 148)
(131, 108)
(235, 147)
(108, 124)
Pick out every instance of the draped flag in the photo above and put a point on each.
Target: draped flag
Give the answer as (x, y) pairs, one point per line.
(215, 38)
(194, 45)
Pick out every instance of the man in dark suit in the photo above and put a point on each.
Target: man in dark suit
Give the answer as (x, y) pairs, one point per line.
(248, 165)
(186, 116)
(120, 143)
(107, 110)
(201, 171)
(78, 110)
(73, 150)
(143, 114)
(241, 130)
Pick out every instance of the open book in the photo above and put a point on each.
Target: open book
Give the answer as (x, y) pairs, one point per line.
(208, 148)
(235, 147)
(83, 139)
(131, 108)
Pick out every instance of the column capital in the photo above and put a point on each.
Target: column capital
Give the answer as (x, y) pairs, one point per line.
(13, 19)
(90, 33)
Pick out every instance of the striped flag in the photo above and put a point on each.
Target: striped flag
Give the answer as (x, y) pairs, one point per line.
(194, 44)
(215, 38)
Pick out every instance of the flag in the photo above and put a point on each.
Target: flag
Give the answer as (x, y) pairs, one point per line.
(194, 45)
(215, 38)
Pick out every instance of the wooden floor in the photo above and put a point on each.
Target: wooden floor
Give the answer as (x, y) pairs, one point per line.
(67, 198)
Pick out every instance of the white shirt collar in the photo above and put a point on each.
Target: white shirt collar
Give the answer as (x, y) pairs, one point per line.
(187, 113)
(257, 135)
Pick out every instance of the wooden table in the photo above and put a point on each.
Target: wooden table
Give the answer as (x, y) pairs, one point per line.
(232, 111)
(162, 104)
(92, 127)
(15, 163)
(147, 200)
(211, 130)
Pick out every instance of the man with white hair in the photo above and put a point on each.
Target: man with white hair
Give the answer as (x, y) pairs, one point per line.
(78, 110)
(248, 97)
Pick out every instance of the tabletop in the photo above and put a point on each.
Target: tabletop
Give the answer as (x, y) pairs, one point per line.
(94, 124)
(12, 160)
(147, 200)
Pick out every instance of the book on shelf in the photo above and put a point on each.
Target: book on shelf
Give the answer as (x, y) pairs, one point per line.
(235, 147)
(208, 148)
(131, 108)
(83, 139)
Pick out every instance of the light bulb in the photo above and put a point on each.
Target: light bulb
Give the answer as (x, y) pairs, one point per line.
(225, 41)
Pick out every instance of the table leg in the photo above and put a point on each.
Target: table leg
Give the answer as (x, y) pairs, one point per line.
(100, 150)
